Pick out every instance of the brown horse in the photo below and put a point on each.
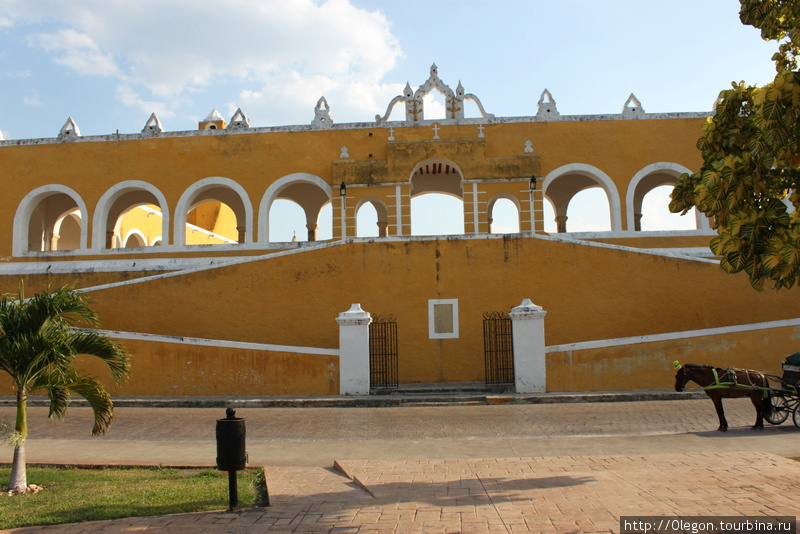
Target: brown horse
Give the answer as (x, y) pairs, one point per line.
(729, 384)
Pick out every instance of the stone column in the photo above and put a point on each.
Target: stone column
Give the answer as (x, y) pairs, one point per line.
(637, 222)
(382, 225)
(54, 241)
(242, 231)
(527, 323)
(354, 351)
(561, 224)
(312, 232)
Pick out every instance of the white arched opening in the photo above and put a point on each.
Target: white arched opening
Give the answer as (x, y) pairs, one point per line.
(118, 200)
(565, 182)
(223, 190)
(648, 179)
(504, 213)
(311, 193)
(437, 198)
(50, 203)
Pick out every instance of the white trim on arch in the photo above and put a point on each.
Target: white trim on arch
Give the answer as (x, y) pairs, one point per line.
(22, 217)
(188, 198)
(100, 220)
(604, 181)
(137, 233)
(700, 219)
(272, 193)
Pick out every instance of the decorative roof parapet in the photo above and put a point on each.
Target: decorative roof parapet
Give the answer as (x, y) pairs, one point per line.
(413, 100)
(152, 127)
(70, 131)
(547, 106)
(239, 121)
(322, 115)
(633, 108)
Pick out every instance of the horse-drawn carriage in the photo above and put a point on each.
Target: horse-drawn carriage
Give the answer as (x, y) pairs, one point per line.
(784, 398)
(774, 397)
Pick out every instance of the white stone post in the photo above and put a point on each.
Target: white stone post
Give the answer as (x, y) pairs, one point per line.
(527, 323)
(354, 351)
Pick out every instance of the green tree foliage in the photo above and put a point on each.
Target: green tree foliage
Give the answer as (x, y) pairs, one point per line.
(39, 341)
(751, 155)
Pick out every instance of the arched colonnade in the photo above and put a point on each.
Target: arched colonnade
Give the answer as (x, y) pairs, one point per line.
(135, 213)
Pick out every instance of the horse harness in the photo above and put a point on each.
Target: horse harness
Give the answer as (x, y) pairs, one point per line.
(733, 381)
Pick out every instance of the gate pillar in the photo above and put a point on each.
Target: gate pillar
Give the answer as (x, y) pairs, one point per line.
(527, 322)
(354, 351)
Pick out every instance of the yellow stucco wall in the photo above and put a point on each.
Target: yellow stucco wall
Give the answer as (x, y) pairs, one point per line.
(254, 160)
(589, 293)
(174, 369)
(649, 365)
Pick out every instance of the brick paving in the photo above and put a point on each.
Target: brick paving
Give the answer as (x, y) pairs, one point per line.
(583, 494)
(398, 470)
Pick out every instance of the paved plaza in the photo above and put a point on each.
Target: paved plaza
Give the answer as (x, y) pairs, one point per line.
(549, 468)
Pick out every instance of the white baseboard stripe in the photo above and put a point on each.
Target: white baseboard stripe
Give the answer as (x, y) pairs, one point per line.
(603, 343)
(136, 336)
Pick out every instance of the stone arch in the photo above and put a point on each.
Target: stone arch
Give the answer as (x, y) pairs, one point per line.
(380, 209)
(573, 178)
(503, 196)
(120, 198)
(437, 175)
(309, 191)
(647, 179)
(134, 239)
(223, 190)
(68, 230)
(49, 204)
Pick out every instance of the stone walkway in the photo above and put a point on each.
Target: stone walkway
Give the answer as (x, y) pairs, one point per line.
(555, 468)
(542, 495)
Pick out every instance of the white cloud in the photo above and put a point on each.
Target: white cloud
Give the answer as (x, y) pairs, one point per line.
(76, 50)
(132, 99)
(281, 55)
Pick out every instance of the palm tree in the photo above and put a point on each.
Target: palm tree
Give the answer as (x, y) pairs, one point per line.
(39, 341)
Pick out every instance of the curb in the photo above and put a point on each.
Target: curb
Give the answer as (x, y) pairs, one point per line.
(375, 401)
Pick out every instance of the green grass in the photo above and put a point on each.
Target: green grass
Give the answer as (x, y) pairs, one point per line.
(72, 495)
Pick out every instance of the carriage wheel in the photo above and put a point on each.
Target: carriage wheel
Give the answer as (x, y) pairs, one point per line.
(778, 411)
(796, 416)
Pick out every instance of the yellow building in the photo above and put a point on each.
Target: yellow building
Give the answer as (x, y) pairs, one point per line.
(169, 232)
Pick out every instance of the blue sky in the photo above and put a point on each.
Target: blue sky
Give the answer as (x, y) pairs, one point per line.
(110, 63)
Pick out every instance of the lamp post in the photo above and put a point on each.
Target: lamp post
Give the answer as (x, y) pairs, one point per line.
(532, 190)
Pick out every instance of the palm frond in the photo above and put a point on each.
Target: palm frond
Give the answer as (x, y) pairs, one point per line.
(114, 354)
(98, 398)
